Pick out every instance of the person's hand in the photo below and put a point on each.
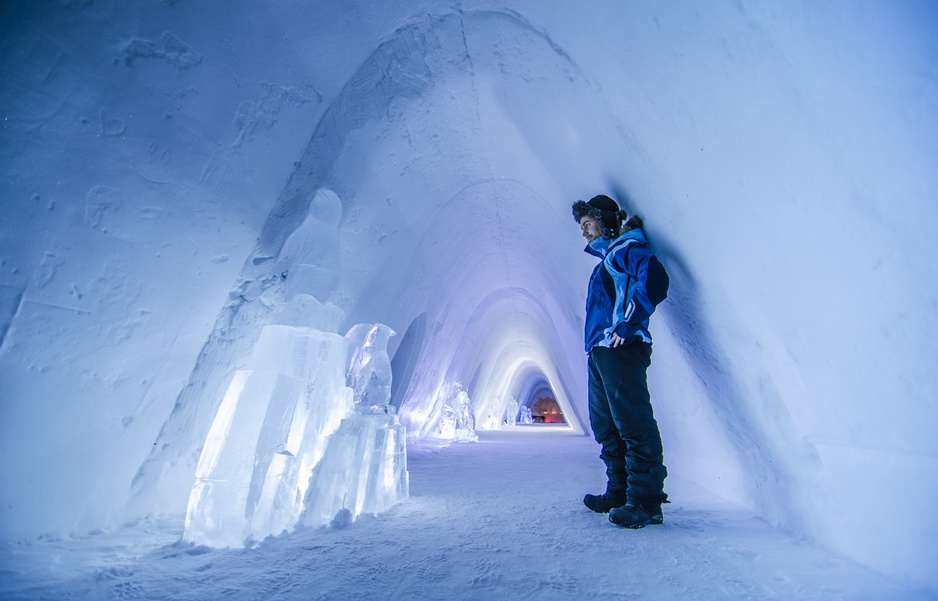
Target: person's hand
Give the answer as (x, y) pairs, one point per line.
(615, 341)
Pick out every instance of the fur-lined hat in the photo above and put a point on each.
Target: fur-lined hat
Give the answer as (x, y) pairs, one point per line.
(604, 210)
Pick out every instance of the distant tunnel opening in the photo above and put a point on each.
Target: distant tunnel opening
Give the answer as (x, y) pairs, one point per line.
(538, 403)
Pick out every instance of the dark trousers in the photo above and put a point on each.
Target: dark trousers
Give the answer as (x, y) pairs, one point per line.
(624, 423)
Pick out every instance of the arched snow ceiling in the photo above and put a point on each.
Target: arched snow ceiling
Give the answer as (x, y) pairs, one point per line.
(475, 246)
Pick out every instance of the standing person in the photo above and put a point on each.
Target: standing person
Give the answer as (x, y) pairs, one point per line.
(624, 289)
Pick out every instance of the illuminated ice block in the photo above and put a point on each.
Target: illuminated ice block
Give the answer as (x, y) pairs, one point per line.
(286, 445)
(319, 359)
(364, 469)
(239, 450)
(270, 432)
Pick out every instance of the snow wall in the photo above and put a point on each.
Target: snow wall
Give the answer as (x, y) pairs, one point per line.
(156, 156)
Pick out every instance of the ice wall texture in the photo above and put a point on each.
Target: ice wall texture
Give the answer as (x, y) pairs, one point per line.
(781, 155)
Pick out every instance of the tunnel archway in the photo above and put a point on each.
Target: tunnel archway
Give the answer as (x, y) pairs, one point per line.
(473, 236)
(431, 71)
(539, 397)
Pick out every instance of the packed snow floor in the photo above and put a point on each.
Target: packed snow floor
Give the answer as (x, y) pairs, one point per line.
(501, 518)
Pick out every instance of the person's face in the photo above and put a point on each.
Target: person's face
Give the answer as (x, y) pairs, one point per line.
(590, 228)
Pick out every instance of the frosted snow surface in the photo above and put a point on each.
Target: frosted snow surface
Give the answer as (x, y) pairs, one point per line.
(489, 520)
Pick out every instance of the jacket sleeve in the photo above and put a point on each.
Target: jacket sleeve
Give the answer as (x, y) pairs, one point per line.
(647, 281)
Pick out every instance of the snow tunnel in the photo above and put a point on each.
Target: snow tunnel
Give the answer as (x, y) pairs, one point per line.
(176, 171)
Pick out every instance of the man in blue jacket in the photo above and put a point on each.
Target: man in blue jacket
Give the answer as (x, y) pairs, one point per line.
(624, 289)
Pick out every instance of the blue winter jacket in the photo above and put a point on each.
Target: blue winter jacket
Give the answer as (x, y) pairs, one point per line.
(624, 289)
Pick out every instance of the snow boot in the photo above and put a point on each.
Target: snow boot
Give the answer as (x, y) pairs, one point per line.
(604, 502)
(634, 515)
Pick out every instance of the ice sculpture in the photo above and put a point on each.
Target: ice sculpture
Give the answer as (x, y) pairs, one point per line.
(446, 428)
(269, 433)
(364, 469)
(457, 419)
(511, 412)
(365, 466)
(525, 416)
(465, 417)
(369, 367)
(226, 481)
(492, 422)
(286, 446)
